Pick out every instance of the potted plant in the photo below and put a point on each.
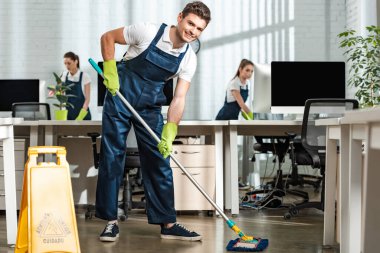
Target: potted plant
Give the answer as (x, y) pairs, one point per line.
(364, 55)
(59, 92)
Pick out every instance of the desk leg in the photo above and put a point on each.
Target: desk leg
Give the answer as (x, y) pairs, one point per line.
(227, 170)
(245, 170)
(344, 207)
(234, 172)
(355, 192)
(371, 206)
(9, 184)
(33, 136)
(49, 135)
(49, 141)
(330, 190)
(219, 166)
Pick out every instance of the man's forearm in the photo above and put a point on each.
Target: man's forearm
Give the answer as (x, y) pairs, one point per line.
(176, 109)
(108, 47)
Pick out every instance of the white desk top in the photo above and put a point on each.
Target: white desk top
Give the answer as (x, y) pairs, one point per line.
(10, 121)
(362, 116)
(264, 122)
(70, 123)
(328, 122)
(27, 123)
(204, 123)
(99, 123)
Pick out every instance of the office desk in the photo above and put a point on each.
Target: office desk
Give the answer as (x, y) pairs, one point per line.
(32, 129)
(333, 135)
(6, 136)
(251, 127)
(359, 222)
(364, 125)
(54, 128)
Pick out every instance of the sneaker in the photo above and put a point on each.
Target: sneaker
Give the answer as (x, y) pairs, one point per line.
(179, 232)
(110, 233)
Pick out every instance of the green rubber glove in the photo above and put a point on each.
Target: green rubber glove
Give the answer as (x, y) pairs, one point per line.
(247, 116)
(111, 78)
(82, 114)
(167, 137)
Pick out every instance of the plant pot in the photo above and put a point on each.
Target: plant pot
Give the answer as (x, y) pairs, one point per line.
(61, 114)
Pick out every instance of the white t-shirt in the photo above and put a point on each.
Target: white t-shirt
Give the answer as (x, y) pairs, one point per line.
(139, 36)
(235, 84)
(75, 78)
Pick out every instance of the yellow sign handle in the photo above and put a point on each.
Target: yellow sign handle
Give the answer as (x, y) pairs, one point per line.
(47, 150)
(60, 152)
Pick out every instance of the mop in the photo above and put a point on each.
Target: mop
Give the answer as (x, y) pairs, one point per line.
(244, 242)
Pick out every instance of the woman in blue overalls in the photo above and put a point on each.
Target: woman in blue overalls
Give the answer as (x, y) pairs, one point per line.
(142, 78)
(237, 94)
(80, 90)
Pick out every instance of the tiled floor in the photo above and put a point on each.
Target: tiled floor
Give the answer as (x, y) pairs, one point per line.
(302, 234)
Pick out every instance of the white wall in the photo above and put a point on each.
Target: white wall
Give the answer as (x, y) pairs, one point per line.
(34, 35)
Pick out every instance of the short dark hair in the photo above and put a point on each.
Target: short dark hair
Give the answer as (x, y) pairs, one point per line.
(72, 56)
(198, 8)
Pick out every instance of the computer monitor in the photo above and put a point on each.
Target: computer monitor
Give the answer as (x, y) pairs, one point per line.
(18, 90)
(261, 88)
(168, 89)
(293, 82)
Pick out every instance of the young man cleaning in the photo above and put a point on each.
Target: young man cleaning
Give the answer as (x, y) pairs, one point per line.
(156, 53)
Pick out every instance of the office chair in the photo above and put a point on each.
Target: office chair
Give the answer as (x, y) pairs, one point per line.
(279, 146)
(132, 181)
(31, 111)
(313, 141)
(274, 190)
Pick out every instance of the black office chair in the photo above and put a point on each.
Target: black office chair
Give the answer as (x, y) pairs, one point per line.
(132, 181)
(31, 111)
(313, 140)
(279, 147)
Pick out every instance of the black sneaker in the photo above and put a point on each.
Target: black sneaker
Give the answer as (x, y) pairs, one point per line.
(110, 233)
(179, 232)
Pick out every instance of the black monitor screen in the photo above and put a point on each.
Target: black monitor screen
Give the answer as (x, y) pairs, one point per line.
(168, 89)
(292, 83)
(18, 90)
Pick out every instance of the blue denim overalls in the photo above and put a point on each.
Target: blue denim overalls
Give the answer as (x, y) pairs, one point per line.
(142, 80)
(77, 101)
(231, 110)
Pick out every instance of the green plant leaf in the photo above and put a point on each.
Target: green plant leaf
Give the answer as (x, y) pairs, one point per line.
(363, 54)
(70, 104)
(60, 92)
(57, 78)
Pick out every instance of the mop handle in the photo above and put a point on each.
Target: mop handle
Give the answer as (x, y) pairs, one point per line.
(96, 67)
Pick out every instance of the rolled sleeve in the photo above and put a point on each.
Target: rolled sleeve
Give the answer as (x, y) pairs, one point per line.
(189, 66)
(139, 33)
(234, 85)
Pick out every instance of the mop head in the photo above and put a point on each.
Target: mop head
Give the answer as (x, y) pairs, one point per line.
(255, 245)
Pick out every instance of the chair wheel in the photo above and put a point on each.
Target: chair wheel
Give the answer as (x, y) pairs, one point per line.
(210, 213)
(88, 215)
(122, 217)
(287, 216)
(294, 211)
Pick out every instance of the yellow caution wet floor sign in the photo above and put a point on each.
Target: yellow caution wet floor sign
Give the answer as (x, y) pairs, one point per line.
(47, 220)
